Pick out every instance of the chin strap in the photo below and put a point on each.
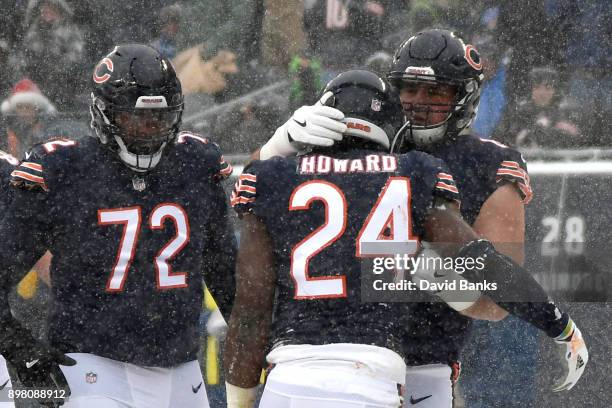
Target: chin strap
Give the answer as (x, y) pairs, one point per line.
(421, 137)
(139, 162)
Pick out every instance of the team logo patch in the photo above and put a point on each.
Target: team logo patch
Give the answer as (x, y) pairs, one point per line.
(472, 57)
(139, 183)
(376, 105)
(103, 70)
(91, 377)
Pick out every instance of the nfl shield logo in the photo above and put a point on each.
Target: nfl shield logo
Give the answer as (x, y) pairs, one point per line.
(139, 183)
(376, 104)
(91, 378)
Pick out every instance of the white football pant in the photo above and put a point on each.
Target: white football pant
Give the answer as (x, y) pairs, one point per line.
(5, 385)
(98, 382)
(429, 386)
(333, 376)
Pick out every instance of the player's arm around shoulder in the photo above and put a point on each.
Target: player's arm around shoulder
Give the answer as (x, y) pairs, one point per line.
(502, 220)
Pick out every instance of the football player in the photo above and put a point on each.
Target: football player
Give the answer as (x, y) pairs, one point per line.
(7, 165)
(307, 221)
(136, 220)
(439, 76)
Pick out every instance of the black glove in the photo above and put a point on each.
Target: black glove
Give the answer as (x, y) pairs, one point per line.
(35, 363)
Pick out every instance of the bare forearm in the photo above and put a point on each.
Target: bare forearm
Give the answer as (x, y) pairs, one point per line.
(485, 309)
(245, 346)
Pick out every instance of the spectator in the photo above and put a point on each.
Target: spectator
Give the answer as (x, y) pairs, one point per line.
(379, 62)
(335, 29)
(536, 33)
(589, 63)
(233, 25)
(54, 50)
(25, 110)
(306, 81)
(199, 75)
(282, 32)
(11, 21)
(169, 23)
(493, 95)
(541, 121)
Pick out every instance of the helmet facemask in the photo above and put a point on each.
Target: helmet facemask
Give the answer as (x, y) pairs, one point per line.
(432, 122)
(137, 135)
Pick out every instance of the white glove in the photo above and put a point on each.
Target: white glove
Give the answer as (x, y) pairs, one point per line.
(238, 397)
(215, 325)
(315, 125)
(427, 273)
(575, 356)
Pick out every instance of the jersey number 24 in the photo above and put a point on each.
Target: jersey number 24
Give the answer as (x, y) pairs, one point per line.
(392, 212)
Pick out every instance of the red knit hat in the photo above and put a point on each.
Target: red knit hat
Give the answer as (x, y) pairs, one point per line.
(25, 92)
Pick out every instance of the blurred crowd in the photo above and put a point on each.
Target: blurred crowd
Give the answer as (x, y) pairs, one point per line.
(246, 64)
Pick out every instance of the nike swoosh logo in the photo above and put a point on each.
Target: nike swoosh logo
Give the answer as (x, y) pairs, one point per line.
(27, 155)
(30, 364)
(302, 124)
(416, 401)
(3, 385)
(196, 389)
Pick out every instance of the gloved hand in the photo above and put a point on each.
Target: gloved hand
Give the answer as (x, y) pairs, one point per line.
(575, 356)
(215, 325)
(314, 125)
(36, 363)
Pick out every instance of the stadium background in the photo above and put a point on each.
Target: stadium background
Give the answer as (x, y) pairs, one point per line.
(246, 64)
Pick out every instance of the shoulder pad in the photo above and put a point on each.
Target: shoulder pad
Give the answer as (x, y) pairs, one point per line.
(224, 169)
(512, 168)
(188, 137)
(48, 147)
(245, 190)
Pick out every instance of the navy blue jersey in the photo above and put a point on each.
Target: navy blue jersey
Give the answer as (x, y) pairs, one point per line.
(7, 165)
(479, 167)
(130, 250)
(320, 211)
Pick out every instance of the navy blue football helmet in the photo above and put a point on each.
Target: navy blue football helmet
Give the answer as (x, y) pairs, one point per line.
(370, 105)
(137, 104)
(439, 57)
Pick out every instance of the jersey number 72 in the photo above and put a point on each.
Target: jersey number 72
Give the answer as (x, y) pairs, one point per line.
(131, 218)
